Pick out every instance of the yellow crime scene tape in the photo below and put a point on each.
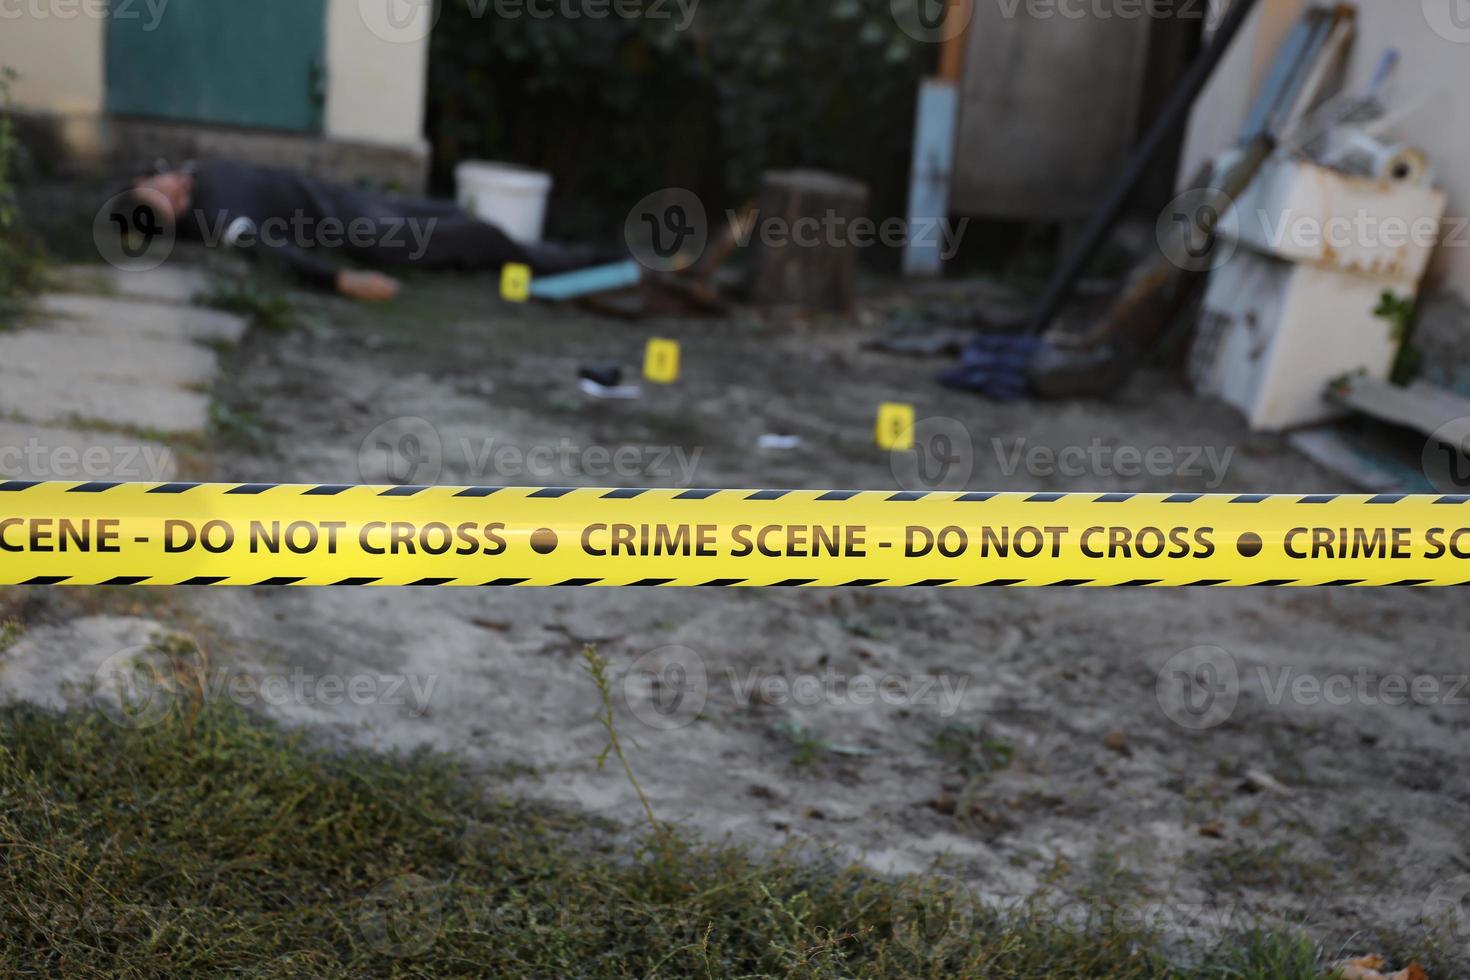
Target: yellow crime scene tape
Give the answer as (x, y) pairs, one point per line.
(263, 534)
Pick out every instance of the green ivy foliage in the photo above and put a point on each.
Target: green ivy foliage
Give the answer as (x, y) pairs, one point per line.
(617, 107)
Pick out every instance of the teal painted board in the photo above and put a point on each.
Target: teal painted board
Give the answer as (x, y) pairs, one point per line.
(258, 64)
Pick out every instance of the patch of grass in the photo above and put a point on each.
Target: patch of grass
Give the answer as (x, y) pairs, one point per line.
(11, 631)
(1272, 866)
(234, 848)
(264, 308)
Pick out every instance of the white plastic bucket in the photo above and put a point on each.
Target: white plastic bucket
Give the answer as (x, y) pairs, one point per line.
(509, 197)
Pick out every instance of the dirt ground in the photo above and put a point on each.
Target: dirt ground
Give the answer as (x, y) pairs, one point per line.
(1032, 743)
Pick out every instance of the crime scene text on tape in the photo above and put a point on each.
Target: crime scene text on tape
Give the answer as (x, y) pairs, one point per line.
(263, 534)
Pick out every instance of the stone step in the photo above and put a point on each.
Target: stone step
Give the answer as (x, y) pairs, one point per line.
(167, 283)
(137, 318)
(119, 404)
(65, 354)
(38, 452)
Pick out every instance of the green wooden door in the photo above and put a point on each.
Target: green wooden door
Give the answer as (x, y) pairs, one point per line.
(257, 63)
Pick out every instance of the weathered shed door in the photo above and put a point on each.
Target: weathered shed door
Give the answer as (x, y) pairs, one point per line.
(1049, 109)
(259, 63)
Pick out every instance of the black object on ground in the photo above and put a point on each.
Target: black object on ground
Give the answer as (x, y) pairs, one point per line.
(607, 375)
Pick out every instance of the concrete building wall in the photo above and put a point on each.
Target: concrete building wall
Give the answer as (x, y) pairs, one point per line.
(375, 85)
(377, 72)
(1431, 86)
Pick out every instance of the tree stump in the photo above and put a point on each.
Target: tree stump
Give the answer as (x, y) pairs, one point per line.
(805, 242)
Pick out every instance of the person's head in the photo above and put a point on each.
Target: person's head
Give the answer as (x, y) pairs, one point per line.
(168, 192)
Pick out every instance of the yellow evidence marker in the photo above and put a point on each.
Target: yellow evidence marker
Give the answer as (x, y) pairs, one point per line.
(515, 282)
(661, 361)
(895, 428)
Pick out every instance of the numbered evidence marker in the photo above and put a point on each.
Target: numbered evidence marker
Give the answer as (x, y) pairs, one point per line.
(661, 361)
(895, 429)
(515, 282)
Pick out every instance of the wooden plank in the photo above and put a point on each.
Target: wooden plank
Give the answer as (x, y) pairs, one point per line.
(1421, 406)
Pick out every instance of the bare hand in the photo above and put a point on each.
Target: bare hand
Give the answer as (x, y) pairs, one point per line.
(369, 287)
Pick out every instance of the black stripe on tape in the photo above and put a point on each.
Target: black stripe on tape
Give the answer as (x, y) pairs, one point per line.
(504, 583)
(649, 583)
(93, 487)
(1251, 498)
(696, 494)
(1319, 498)
(836, 496)
(768, 495)
(1183, 498)
(932, 583)
(204, 580)
(1003, 581)
(1115, 498)
(432, 582)
(356, 582)
(479, 491)
(552, 493)
(280, 581)
(403, 492)
(174, 488)
(623, 494)
(976, 498)
(1204, 582)
(127, 580)
(1343, 582)
(909, 496)
(251, 488)
(722, 583)
(577, 583)
(15, 486)
(46, 580)
(793, 583)
(1070, 583)
(1139, 583)
(1387, 498)
(1045, 498)
(863, 583)
(326, 491)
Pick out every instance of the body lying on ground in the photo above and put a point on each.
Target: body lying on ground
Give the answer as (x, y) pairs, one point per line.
(316, 228)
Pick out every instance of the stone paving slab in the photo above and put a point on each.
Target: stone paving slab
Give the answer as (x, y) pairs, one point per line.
(167, 283)
(115, 403)
(66, 354)
(163, 321)
(39, 452)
